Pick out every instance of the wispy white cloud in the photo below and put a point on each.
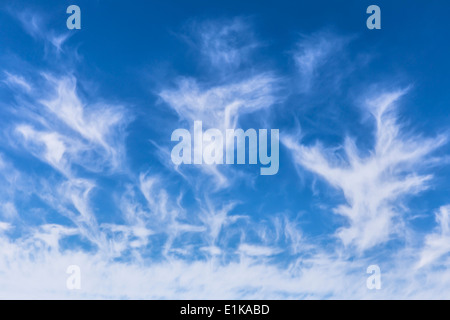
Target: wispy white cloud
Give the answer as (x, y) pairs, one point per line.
(373, 185)
(168, 214)
(437, 244)
(236, 92)
(49, 235)
(316, 52)
(12, 182)
(75, 131)
(36, 25)
(225, 44)
(215, 220)
(68, 134)
(53, 144)
(220, 106)
(16, 80)
(94, 122)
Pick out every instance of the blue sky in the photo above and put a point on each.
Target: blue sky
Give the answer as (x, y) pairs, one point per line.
(86, 176)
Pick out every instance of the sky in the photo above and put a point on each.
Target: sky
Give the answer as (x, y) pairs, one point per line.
(87, 179)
